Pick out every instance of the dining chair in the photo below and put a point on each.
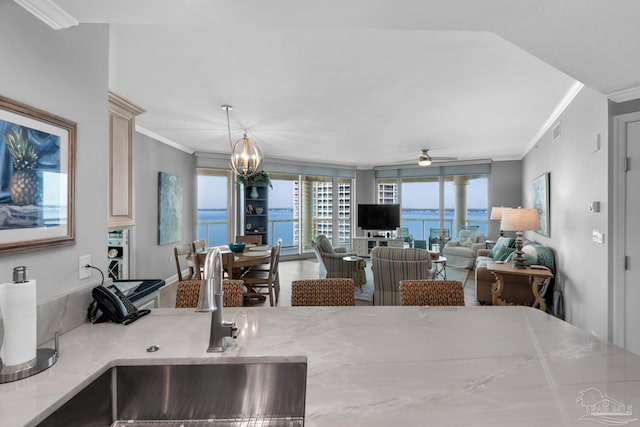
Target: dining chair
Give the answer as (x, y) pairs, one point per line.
(197, 246)
(322, 292)
(182, 253)
(431, 292)
(189, 291)
(420, 244)
(436, 237)
(256, 239)
(260, 283)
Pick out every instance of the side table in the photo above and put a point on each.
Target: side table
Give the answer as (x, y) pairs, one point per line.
(354, 268)
(441, 267)
(537, 276)
(489, 244)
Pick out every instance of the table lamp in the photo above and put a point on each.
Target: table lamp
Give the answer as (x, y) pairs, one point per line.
(519, 220)
(496, 214)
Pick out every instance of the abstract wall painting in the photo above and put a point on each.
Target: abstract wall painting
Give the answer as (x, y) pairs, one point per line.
(169, 208)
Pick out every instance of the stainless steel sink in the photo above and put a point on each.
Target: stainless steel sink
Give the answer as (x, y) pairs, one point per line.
(263, 391)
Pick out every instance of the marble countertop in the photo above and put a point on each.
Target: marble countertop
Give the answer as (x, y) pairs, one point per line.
(374, 366)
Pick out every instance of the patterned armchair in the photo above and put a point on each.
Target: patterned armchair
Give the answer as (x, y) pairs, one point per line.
(391, 265)
(332, 264)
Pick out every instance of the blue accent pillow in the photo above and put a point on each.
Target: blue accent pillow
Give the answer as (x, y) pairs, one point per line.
(503, 253)
(506, 242)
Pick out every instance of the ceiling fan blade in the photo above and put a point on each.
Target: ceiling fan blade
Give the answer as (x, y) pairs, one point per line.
(443, 159)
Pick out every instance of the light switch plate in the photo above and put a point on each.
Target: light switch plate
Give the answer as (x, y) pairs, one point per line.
(597, 236)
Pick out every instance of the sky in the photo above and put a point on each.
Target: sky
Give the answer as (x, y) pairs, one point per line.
(212, 194)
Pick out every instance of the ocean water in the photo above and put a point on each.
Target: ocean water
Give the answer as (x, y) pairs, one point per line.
(419, 223)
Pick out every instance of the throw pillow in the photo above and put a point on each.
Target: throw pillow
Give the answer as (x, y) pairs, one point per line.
(467, 238)
(528, 259)
(503, 254)
(508, 242)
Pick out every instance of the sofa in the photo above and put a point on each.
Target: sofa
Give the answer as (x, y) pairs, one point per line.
(332, 265)
(391, 265)
(462, 251)
(517, 288)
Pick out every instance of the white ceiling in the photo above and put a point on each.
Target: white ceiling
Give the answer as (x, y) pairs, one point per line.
(363, 82)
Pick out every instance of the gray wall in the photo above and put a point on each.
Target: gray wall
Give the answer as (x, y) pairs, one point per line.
(578, 176)
(64, 73)
(505, 189)
(150, 259)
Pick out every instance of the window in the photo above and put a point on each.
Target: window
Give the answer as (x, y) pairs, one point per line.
(440, 201)
(213, 215)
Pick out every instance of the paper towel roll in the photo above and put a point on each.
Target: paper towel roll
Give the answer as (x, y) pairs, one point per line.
(18, 305)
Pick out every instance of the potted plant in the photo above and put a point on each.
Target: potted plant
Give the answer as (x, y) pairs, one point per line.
(258, 178)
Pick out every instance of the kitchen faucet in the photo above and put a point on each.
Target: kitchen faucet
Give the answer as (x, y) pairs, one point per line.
(210, 299)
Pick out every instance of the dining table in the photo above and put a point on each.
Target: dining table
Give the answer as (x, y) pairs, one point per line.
(234, 262)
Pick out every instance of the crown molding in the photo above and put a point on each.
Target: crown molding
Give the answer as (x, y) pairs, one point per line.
(625, 94)
(573, 91)
(49, 13)
(162, 139)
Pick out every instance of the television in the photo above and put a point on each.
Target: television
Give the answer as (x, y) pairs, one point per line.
(378, 217)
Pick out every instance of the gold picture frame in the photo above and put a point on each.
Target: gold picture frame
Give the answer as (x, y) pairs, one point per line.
(37, 165)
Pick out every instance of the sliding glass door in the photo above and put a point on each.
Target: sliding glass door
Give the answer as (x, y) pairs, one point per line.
(438, 204)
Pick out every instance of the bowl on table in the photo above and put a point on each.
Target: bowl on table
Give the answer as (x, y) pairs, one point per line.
(237, 246)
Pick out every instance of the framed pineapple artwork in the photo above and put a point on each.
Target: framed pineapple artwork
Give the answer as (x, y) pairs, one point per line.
(37, 164)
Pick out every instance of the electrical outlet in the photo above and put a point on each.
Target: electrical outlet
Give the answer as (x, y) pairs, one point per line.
(83, 272)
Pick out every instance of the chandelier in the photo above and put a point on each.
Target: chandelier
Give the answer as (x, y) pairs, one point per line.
(246, 155)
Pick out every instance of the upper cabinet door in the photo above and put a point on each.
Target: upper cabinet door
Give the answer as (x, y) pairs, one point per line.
(122, 125)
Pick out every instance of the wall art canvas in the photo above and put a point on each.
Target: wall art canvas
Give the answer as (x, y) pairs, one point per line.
(169, 208)
(36, 178)
(541, 202)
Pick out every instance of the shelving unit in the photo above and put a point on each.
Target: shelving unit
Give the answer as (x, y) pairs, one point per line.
(117, 255)
(256, 211)
(363, 245)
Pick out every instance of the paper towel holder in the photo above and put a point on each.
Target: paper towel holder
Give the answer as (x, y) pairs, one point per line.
(45, 357)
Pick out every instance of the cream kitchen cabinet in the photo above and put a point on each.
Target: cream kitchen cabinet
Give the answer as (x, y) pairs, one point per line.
(122, 124)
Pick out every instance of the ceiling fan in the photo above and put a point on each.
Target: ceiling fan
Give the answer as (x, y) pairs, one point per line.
(425, 159)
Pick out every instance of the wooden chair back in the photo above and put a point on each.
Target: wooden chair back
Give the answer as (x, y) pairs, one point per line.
(182, 253)
(198, 246)
(322, 292)
(256, 239)
(265, 282)
(431, 292)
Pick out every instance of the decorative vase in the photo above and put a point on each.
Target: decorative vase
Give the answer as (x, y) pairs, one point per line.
(254, 193)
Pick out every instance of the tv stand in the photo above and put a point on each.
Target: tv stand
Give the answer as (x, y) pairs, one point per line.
(363, 245)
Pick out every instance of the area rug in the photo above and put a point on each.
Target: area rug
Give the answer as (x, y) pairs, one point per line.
(366, 294)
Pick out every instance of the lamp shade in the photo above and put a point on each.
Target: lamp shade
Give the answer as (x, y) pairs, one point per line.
(520, 219)
(496, 212)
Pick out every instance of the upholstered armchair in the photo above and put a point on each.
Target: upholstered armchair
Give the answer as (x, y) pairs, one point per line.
(391, 265)
(462, 252)
(332, 264)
